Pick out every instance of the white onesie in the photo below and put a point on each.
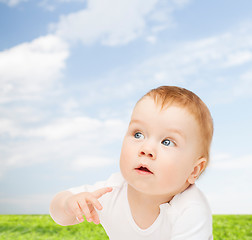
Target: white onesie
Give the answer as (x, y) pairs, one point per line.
(186, 217)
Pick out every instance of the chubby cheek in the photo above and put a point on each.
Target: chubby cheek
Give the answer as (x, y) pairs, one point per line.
(123, 163)
(126, 157)
(172, 175)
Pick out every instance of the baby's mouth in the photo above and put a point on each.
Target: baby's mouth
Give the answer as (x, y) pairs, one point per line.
(144, 170)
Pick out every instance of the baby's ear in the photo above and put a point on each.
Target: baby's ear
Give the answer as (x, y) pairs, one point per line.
(199, 166)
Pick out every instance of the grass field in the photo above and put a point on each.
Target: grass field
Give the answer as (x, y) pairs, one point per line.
(42, 227)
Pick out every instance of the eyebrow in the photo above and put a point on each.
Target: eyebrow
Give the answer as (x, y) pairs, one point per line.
(171, 130)
(176, 131)
(136, 121)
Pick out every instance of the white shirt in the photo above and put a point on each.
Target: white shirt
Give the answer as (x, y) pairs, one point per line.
(186, 217)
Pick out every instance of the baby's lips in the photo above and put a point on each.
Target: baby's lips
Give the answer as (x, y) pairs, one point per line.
(144, 167)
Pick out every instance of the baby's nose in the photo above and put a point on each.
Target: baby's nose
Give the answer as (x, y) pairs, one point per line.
(147, 151)
(142, 153)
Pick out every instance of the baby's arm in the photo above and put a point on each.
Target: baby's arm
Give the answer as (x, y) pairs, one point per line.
(68, 209)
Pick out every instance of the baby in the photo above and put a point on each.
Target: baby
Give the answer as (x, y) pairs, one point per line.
(154, 197)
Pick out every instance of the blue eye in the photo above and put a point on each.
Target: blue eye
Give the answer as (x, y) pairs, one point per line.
(138, 135)
(167, 143)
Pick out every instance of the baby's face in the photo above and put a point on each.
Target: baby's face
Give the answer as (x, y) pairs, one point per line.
(160, 148)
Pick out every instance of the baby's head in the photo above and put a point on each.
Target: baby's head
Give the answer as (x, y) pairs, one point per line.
(166, 96)
(168, 141)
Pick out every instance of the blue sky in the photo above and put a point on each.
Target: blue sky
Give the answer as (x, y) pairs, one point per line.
(72, 70)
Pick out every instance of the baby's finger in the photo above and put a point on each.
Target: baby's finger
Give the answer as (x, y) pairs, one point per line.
(95, 217)
(93, 205)
(85, 210)
(94, 202)
(77, 212)
(98, 193)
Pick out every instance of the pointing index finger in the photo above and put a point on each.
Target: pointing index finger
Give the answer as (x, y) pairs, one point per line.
(100, 192)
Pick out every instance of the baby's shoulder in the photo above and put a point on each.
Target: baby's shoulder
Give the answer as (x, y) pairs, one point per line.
(192, 197)
(190, 215)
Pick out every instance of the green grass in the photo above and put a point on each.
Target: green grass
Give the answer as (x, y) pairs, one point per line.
(42, 227)
(36, 227)
(233, 227)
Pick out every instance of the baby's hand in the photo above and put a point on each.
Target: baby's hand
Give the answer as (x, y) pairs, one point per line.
(86, 203)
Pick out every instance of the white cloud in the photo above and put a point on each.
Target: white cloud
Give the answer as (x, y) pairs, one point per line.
(227, 162)
(51, 5)
(200, 64)
(238, 58)
(80, 127)
(228, 201)
(64, 128)
(115, 22)
(85, 128)
(61, 140)
(47, 4)
(243, 87)
(151, 39)
(31, 68)
(196, 65)
(216, 52)
(7, 126)
(70, 1)
(181, 3)
(26, 204)
(84, 162)
(12, 3)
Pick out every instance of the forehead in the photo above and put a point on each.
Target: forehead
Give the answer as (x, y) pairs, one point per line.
(148, 111)
(148, 104)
